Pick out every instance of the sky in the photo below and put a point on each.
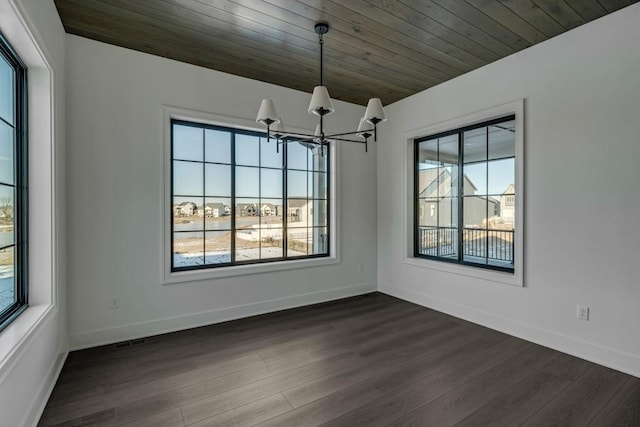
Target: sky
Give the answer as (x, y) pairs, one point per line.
(192, 147)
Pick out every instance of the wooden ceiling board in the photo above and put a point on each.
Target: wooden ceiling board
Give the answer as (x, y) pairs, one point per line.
(389, 49)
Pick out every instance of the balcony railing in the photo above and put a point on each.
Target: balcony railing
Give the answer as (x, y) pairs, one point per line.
(490, 244)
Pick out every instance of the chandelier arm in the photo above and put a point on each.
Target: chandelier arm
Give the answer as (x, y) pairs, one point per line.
(297, 134)
(348, 140)
(348, 133)
(287, 140)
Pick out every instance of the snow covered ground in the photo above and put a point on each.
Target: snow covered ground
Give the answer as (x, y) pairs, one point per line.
(6, 292)
(195, 258)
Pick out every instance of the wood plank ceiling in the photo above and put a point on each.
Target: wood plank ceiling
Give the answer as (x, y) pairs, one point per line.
(376, 48)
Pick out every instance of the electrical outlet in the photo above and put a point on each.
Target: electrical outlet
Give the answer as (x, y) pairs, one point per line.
(115, 303)
(360, 268)
(583, 312)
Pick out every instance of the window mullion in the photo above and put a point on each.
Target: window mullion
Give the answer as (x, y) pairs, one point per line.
(460, 195)
(486, 201)
(233, 198)
(285, 202)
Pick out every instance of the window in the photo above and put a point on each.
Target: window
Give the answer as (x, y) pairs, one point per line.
(237, 199)
(467, 177)
(13, 185)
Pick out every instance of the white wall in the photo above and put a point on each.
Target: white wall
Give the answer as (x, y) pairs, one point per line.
(33, 347)
(582, 198)
(115, 204)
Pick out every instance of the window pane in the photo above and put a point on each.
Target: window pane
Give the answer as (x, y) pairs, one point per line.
(247, 209)
(6, 154)
(475, 245)
(270, 156)
(475, 179)
(217, 247)
(247, 182)
(7, 232)
(447, 212)
(428, 212)
(438, 241)
(188, 249)
(187, 142)
(475, 212)
(502, 140)
(271, 242)
(318, 240)
(187, 214)
(475, 145)
(448, 150)
(247, 244)
(447, 181)
(500, 243)
(501, 176)
(217, 180)
(247, 150)
(318, 161)
(7, 278)
(187, 178)
(271, 212)
(271, 183)
(7, 94)
(428, 154)
(508, 211)
(297, 156)
(297, 241)
(247, 229)
(317, 185)
(217, 146)
(318, 213)
(297, 184)
(298, 213)
(217, 214)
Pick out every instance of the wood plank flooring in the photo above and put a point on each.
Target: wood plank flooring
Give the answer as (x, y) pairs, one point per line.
(367, 360)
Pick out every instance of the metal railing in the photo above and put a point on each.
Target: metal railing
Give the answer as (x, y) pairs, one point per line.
(491, 244)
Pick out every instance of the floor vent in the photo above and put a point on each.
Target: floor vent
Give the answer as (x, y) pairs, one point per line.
(130, 343)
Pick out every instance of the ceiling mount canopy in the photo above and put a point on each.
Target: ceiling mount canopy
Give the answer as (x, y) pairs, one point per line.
(321, 105)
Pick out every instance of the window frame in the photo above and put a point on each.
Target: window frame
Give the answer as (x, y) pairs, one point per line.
(515, 278)
(21, 178)
(460, 194)
(208, 272)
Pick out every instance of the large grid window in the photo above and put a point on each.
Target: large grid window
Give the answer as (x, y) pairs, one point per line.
(13, 185)
(465, 195)
(236, 199)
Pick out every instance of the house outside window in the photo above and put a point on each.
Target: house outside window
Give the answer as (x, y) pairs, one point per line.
(13, 185)
(467, 177)
(236, 199)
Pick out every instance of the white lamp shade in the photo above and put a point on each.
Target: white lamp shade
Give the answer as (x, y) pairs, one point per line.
(267, 113)
(321, 102)
(364, 130)
(374, 113)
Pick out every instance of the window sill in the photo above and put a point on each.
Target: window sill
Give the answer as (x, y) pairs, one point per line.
(244, 270)
(514, 279)
(15, 337)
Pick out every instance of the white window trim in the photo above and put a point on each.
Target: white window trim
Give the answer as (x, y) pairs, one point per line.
(169, 277)
(517, 277)
(43, 277)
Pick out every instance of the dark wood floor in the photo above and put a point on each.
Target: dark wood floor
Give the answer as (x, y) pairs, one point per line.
(372, 360)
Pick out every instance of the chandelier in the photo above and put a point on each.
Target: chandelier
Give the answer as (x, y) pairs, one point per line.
(321, 105)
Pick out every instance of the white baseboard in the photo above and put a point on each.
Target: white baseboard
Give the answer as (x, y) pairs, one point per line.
(131, 331)
(40, 399)
(610, 358)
